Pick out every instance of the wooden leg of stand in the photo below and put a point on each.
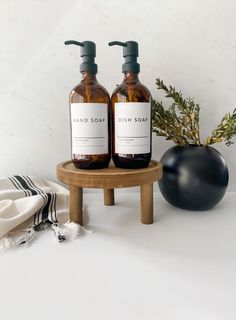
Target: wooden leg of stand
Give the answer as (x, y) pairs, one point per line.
(76, 205)
(146, 203)
(108, 197)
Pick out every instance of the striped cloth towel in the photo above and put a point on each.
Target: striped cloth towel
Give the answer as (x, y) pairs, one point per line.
(28, 205)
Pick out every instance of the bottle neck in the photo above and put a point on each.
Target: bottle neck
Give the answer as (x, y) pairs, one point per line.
(131, 76)
(88, 77)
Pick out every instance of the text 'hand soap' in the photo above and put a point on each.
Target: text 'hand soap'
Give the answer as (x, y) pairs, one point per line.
(131, 114)
(89, 112)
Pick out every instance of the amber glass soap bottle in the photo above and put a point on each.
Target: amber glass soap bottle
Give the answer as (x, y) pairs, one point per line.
(131, 114)
(89, 112)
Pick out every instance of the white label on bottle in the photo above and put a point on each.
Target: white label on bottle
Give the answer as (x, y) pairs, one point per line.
(89, 128)
(132, 127)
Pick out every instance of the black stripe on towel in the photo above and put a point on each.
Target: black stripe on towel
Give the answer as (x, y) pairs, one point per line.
(51, 204)
(48, 211)
(37, 219)
(33, 186)
(25, 185)
(18, 186)
(45, 211)
(55, 209)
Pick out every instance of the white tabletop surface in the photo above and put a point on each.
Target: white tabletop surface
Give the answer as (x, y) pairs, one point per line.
(181, 267)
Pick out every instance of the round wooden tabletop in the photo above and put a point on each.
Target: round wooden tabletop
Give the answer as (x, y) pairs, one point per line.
(108, 178)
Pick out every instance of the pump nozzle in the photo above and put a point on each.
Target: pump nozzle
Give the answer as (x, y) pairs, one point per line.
(77, 43)
(130, 53)
(88, 54)
(117, 43)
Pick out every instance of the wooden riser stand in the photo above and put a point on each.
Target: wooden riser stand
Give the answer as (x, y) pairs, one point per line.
(109, 179)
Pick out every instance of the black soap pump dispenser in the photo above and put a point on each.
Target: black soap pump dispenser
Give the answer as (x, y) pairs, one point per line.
(89, 112)
(131, 114)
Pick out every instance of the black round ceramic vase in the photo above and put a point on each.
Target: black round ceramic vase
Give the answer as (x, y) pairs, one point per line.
(194, 177)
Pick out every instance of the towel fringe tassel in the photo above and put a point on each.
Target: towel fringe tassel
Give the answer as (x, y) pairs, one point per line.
(15, 239)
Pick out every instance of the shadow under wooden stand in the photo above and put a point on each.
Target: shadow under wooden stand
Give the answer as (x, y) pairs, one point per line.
(109, 179)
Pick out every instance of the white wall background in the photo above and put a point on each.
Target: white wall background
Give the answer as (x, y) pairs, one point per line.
(190, 44)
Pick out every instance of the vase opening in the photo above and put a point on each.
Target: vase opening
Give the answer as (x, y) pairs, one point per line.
(195, 145)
